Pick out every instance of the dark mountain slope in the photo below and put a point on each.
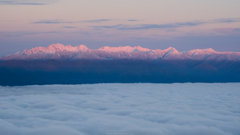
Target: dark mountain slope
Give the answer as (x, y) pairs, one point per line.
(117, 71)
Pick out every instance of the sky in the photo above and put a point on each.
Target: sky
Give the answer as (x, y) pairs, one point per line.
(154, 24)
(121, 109)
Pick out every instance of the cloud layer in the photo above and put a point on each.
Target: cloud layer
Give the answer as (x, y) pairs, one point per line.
(133, 109)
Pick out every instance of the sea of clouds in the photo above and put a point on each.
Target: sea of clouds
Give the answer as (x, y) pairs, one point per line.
(121, 109)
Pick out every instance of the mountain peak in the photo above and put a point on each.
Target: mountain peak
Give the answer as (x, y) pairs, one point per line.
(139, 48)
(172, 53)
(170, 49)
(82, 47)
(210, 50)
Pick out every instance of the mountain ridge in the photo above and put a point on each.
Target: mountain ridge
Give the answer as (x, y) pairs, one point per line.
(68, 52)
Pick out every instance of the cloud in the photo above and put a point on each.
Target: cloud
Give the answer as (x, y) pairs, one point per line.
(226, 20)
(70, 27)
(59, 21)
(166, 26)
(51, 22)
(150, 26)
(97, 21)
(132, 109)
(132, 20)
(19, 34)
(227, 30)
(26, 2)
(236, 29)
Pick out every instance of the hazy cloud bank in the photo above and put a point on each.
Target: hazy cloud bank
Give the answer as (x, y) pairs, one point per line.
(139, 109)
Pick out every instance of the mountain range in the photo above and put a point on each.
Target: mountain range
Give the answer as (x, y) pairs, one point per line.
(61, 52)
(59, 64)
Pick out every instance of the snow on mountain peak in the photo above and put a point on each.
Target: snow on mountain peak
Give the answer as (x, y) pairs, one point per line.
(142, 49)
(209, 50)
(53, 48)
(172, 52)
(82, 48)
(124, 48)
(170, 49)
(197, 52)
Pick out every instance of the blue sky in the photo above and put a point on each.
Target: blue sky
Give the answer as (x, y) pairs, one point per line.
(185, 24)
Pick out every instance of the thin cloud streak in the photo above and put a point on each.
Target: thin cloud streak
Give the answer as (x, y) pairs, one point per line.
(97, 21)
(166, 26)
(227, 30)
(70, 27)
(51, 22)
(58, 21)
(19, 34)
(227, 20)
(132, 20)
(149, 26)
(25, 2)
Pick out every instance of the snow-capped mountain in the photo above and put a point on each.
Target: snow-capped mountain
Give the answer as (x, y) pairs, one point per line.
(59, 64)
(61, 52)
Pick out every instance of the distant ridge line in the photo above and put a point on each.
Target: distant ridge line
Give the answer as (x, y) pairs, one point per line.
(68, 52)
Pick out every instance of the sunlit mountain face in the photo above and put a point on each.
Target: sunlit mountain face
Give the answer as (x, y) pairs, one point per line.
(61, 52)
(59, 64)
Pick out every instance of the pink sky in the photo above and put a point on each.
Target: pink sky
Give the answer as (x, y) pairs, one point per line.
(185, 24)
